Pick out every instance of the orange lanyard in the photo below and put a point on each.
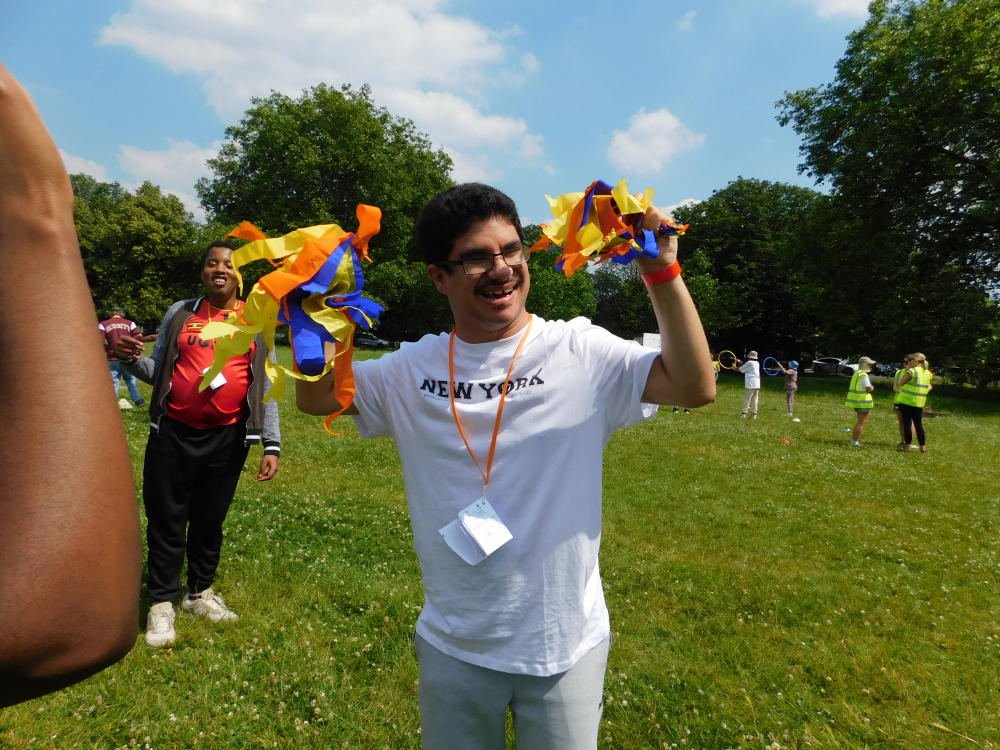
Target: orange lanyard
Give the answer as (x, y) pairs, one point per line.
(503, 396)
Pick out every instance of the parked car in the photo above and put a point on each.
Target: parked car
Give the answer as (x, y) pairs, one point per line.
(833, 366)
(884, 370)
(368, 340)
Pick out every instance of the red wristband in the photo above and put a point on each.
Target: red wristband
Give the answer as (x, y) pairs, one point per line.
(664, 274)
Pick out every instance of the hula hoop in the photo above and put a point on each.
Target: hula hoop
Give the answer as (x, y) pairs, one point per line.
(776, 364)
(725, 366)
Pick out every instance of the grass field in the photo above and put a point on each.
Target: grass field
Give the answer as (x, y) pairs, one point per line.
(762, 594)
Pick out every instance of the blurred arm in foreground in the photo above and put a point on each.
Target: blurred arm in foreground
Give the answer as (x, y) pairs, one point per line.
(69, 528)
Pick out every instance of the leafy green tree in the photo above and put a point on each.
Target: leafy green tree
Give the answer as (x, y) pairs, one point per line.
(140, 251)
(872, 295)
(414, 306)
(733, 259)
(297, 162)
(623, 305)
(291, 163)
(906, 134)
(551, 295)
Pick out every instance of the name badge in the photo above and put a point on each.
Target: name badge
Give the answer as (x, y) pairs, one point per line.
(477, 533)
(217, 382)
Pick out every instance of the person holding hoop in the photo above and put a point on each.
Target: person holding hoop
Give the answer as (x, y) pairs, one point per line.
(717, 367)
(791, 384)
(751, 382)
(859, 398)
(914, 385)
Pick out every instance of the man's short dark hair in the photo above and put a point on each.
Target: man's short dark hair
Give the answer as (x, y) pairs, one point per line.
(452, 212)
(217, 243)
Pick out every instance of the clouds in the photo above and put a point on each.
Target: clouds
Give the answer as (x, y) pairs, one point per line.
(183, 163)
(420, 61)
(79, 165)
(834, 8)
(175, 169)
(651, 140)
(687, 21)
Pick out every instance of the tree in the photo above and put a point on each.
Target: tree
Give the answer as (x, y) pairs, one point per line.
(551, 295)
(907, 135)
(871, 295)
(291, 163)
(623, 305)
(140, 251)
(733, 257)
(298, 162)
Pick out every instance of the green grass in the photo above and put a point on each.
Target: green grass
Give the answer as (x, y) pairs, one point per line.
(802, 593)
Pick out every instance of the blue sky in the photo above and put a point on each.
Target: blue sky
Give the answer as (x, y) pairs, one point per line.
(533, 97)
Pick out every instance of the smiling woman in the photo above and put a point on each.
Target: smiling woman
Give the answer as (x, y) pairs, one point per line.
(198, 442)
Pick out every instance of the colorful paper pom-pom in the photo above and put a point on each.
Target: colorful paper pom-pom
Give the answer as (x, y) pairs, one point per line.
(599, 224)
(315, 290)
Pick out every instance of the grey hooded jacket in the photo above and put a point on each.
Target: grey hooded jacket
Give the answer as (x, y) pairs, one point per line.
(262, 422)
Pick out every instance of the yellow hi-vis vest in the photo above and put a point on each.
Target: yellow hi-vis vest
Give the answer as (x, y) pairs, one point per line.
(898, 397)
(914, 392)
(858, 398)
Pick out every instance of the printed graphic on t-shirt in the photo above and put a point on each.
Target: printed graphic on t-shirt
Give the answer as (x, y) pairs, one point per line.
(476, 391)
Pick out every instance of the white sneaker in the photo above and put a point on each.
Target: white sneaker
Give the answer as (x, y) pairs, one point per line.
(743, 416)
(209, 605)
(160, 625)
(789, 414)
(856, 443)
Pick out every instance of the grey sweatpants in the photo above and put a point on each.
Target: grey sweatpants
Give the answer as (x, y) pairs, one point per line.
(464, 706)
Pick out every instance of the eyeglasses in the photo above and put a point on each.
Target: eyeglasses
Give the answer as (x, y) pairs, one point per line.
(474, 265)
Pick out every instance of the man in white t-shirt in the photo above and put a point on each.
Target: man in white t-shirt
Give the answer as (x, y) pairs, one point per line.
(525, 626)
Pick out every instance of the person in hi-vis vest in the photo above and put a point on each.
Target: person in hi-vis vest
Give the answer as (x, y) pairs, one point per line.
(859, 398)
(901, 416)
(914, 385)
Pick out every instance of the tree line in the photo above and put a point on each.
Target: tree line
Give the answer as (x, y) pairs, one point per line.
(899, 251)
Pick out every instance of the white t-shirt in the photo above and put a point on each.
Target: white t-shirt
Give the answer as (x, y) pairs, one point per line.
(863, 380)
(751, 373)
(536, 605)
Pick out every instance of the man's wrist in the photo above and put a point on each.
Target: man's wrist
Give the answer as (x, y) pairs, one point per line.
(663, 275)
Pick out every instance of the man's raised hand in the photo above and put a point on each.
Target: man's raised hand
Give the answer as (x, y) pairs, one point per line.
(667, 245)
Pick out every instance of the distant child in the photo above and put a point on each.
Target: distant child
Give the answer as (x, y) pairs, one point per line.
(859, 398)
(791, 384)
(751, 381)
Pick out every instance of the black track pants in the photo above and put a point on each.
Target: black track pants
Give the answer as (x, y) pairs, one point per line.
(188, 481)
(916, 414)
